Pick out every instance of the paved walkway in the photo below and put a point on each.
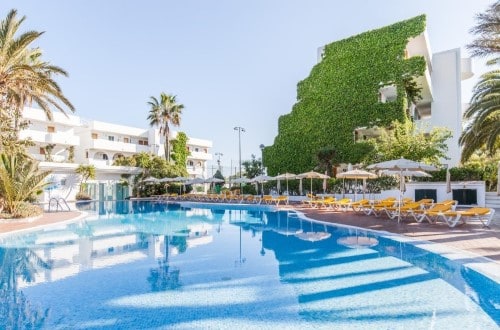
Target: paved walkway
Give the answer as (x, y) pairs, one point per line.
(471, 237)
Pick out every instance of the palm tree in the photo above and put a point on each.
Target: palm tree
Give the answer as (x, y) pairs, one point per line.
(20, 180)
(483, 114)
(163, 112)
(86, 172)
(488, 32)
(24, 77)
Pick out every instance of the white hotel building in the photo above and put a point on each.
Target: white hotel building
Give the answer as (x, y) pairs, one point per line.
(63, 143)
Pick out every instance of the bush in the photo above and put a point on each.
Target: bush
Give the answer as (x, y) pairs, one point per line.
(27, 210)
(82, 197)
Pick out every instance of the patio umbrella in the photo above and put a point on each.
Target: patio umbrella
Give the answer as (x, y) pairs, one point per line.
(163, 180)
(286, 176)
(196, 181)
(213, 180)
(406, 173)
(182, 180)
(401, 165)
(261, 179)
(151, 180)
(312, 175)
(357, 174)
(241, 180)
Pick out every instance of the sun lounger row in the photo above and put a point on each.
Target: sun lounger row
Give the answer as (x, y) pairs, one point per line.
(425, 210)
(224, 198)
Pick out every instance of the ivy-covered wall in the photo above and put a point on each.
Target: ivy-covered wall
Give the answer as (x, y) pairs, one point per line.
(341, 94)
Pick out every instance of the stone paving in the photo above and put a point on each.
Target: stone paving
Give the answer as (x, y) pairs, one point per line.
(472, 237)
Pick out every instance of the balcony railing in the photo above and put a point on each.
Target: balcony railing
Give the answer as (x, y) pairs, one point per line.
(200, 155)
(57, 138)
(102, 144)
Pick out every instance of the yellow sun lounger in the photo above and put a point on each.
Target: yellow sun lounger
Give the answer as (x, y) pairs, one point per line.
(483, 214)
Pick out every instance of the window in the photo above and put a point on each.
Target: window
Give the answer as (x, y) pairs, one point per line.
(42, 151)
(126, 140)
(94, 136)
(190, 163)
(104, 157)
(51, 129)
(196, 149)
(111, 138)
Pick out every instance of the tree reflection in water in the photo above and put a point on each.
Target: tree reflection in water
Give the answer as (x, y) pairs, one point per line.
(165, 277)
(17, 312)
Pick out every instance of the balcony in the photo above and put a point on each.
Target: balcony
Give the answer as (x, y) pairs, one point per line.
(115, 146)
(55, 158)
(195, 171)
(195, 155)
(56, 138)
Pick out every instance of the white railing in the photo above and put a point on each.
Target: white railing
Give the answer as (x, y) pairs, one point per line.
(200, 155)
(102, 144)
(44, 137)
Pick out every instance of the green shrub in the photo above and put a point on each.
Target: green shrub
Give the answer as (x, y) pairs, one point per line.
(27, 210)
(81, 196)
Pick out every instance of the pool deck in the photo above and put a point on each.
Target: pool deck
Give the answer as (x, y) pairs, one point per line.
(472, 237)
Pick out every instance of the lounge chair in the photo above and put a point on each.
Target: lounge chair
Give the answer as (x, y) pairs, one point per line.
(403, 211)
(432, 213)
(483, 214)
(378, 206)
(280, 199)
(266, 199)
(360, 205)
(342, 204)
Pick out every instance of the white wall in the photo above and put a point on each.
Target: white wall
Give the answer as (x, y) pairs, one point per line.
(447, 99)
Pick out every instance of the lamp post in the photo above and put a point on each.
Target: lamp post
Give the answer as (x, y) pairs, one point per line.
(239, 129)
(219, 155)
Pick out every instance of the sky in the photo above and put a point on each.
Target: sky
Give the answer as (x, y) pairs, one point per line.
(230, 63)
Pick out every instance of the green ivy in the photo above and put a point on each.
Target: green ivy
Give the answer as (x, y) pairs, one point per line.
(341, 94)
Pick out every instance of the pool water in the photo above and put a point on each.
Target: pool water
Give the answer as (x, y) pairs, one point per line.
(150, 265)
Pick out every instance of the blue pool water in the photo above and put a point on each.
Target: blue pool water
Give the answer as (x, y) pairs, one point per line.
(133, 265)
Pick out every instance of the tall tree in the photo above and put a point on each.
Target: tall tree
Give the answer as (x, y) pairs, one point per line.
(24, 77)
(405, 140)
(253, 167)
(483, 114)
(487, 30)
(163, 112)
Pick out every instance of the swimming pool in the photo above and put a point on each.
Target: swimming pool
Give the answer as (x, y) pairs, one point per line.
(156, 265)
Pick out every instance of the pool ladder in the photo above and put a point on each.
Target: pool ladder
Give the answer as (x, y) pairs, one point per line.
(58, 203)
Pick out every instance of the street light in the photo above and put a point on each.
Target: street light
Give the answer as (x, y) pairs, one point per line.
(219, 155)
(239, 129)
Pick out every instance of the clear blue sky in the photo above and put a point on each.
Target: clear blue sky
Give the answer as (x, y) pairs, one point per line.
(231, 63)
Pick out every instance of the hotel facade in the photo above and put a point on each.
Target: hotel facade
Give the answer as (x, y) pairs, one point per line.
(67, 141)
